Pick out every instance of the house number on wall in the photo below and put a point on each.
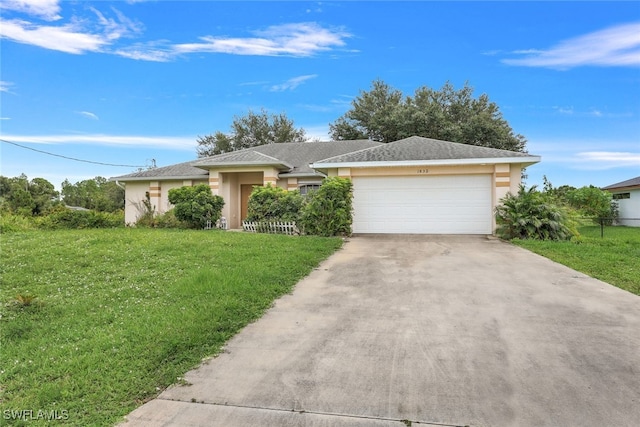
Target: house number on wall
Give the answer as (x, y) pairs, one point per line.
(423, 170)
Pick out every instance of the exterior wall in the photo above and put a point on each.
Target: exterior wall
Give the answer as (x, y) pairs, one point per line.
(164, 194)
(135, 193)
(629, 208)
(284, 183)
(516, 178)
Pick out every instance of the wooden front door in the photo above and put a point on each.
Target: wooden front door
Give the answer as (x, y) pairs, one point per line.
(245, 192)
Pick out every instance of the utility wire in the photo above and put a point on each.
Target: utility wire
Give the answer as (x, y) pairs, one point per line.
(70, 158)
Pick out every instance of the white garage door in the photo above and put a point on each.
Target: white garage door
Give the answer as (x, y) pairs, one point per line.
(457, 204)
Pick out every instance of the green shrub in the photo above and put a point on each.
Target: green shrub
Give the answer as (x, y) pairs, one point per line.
(594, 203)
(196, 205)
(168, 220)
(274, 204)
(146, 213)
(64, 218)
(328, 211)
(532, 215)
(11, 223)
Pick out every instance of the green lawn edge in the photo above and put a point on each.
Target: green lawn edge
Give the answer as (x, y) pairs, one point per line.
(612, 258)
(121, 314)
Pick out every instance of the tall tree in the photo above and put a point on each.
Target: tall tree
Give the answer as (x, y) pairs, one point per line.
(384, 114)
(250, 131)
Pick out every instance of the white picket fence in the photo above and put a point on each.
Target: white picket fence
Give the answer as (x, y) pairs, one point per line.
(221, 224)
(271, 227)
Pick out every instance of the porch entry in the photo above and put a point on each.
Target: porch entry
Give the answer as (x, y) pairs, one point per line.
(245, 192)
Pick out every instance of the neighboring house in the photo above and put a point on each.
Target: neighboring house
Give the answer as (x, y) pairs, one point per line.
(627, 194)
(415, 185)
(76, 208)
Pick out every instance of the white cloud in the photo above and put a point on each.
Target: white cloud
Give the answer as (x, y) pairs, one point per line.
(157, 51)
(564, 110)
(255, 83)
(317, 132)
(601, 160)
(614, 46)
(5, 118)
(74, 37)
(100, 32)
(117, 28)
(292, 83)
(45, 9)
(88, 114)
(301, 39)
(593, 112)
(171, 142)
(67, 38)
(4, 86)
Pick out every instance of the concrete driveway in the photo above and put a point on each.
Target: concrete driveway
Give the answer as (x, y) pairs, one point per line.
(425, 330)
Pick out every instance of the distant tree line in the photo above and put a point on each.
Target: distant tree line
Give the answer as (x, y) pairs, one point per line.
(37, 196)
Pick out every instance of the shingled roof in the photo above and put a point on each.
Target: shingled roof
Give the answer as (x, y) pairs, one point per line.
(241, 158)
(178, 171)
(300, 159)
(301, 155)
(633, 182)
(417, 148)
(292, 159)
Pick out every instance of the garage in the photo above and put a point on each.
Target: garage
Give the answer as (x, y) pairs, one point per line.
(446, 204)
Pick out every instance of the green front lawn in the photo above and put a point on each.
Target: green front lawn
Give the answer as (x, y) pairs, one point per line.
(614, 258)
(121, 314)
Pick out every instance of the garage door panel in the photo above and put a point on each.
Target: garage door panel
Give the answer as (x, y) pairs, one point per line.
(458, 204)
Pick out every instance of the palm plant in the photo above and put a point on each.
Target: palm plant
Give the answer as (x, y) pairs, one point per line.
(532, 215)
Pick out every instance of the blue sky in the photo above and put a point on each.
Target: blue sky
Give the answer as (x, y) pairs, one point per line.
(127, 82)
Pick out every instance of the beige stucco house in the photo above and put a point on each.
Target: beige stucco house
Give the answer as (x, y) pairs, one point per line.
(415, 185)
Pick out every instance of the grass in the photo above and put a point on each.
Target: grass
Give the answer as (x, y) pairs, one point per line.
(613, 258)
(121, 314)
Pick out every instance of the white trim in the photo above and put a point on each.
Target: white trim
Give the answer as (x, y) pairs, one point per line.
(529, 160)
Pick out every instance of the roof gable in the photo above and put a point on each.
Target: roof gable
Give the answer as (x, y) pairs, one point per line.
(240, 158)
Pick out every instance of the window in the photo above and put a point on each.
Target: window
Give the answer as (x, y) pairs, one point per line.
(620, 196)
(306, 188)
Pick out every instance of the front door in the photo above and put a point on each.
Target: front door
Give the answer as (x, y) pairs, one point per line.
(245, 192)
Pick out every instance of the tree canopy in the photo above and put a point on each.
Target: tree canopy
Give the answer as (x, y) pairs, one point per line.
(98, 194)
(25, 197)
(251, 130)
(384, 114)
